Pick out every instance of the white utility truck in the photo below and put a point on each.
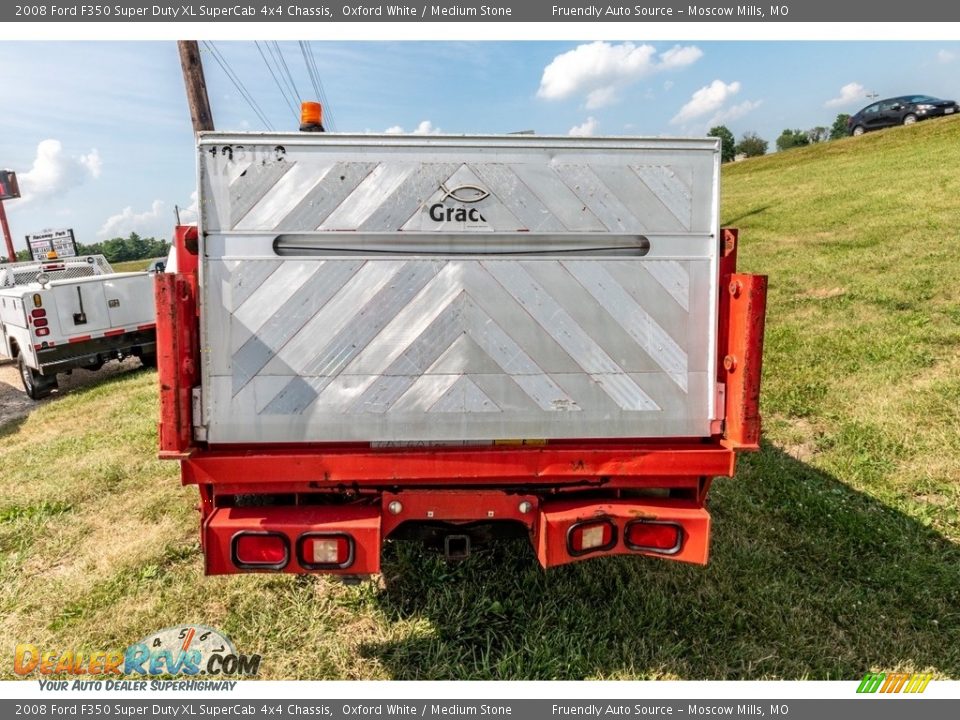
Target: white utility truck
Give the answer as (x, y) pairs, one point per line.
(66, 313)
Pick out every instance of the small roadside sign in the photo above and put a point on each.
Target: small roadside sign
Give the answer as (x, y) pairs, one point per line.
(61, 242)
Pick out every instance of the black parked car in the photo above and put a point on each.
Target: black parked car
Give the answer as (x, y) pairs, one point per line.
(903, 110)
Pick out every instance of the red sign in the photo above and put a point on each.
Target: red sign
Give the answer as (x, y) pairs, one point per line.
(8, 185)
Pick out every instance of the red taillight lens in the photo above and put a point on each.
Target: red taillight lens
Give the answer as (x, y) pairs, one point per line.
(591, 536)
(659, 537)
(260, 550)
(325, 551)
(40, 322)
(42, 331)
(38, 313)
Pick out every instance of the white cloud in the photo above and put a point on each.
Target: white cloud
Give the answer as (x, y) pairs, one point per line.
(127, 221)
(679, 57)
(735, 112)
(668, 84)
(599, 69)
(849, 94)
(585, 129)
(945, 57)
(92, 162)
(424, 128)
(190, 213)
(601, 97)
(708, 99)
(54, 172)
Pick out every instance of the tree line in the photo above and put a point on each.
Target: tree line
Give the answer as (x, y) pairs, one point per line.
(119, 249)
(752, 145)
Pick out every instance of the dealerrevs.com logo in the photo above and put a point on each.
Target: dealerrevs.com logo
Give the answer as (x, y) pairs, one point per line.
(181, 650)
(909, 683)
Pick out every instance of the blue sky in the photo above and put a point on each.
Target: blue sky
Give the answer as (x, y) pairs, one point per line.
(100, 136)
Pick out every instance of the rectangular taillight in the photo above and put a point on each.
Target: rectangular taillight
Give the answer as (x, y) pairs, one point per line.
(663, 538)
(325, 551)
(42, 331)
(39, 312)
(40, 322)
(260, 550)
(591, 536)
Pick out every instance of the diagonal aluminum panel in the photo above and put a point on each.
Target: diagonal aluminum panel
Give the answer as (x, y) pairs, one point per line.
(645, 331)
(375, 338)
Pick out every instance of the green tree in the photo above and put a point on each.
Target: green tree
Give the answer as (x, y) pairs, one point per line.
(839, 128)
(751, 145)
(727, 142)
(818, 134)
(132, 247)
(791, 139)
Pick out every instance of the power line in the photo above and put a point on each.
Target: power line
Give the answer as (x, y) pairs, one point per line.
(222, 61)
(314, 76)
(323, 92)
(275, 80)
(306, 62)
(287, 76)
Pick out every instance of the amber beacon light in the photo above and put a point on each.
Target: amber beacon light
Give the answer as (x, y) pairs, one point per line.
(311, 117)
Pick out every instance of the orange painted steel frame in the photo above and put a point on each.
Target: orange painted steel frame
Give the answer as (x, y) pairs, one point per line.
(458, 484)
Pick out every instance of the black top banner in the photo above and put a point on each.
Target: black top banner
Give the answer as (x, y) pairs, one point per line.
(489, 11)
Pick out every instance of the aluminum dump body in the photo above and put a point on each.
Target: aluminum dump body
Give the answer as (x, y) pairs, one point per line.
(456, 288)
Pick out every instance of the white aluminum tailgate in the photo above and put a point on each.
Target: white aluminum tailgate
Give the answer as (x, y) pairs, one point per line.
(424, 289)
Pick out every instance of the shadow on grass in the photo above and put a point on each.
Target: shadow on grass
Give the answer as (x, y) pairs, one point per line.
(728, 222)
(78, 382)
(808, 579)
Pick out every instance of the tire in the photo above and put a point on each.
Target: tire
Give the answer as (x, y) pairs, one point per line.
(36, 386)
(909, 119)
(858, 131)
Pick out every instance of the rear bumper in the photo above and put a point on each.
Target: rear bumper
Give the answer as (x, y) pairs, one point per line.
(549, 524)
(78, 354)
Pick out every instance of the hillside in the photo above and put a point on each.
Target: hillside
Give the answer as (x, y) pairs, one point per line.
(835, 548)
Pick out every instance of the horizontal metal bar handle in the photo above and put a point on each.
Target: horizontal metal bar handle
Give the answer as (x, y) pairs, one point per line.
(408, 243)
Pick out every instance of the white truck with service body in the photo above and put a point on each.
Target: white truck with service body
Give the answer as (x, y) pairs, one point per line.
(76, 312)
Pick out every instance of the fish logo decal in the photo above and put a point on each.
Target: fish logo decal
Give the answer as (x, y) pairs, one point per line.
(464, 193)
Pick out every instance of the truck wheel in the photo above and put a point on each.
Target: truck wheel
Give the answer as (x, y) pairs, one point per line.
(149, 360)
(37, 386)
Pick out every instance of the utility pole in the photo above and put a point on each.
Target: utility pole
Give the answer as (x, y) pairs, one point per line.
(9, 189)
(196, 86)
(11, 254)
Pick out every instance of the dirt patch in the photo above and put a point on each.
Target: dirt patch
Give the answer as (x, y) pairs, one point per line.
(803, 444)
(15, 404)
(825, 293)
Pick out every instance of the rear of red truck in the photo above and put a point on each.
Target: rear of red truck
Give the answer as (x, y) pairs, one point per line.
(452, 339)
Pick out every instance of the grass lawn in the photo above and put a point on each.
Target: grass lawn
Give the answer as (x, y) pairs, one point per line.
(836, 549)
(132, 265)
